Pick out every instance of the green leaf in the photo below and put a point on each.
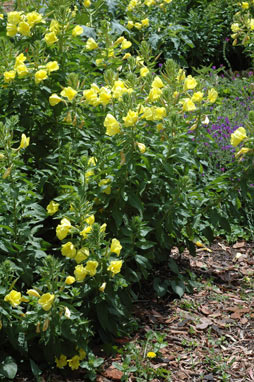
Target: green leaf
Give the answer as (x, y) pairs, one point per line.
(173, 266)
(8, 368)
(178, 287)
(160, 286)
(35, 369)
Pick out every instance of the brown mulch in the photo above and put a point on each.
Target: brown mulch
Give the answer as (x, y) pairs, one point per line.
(210, 333)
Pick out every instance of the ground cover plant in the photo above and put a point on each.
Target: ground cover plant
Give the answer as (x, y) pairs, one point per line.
(102, 173)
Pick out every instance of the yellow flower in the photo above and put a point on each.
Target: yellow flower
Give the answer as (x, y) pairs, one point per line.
(82, 354)
(91, 44)
(157, 83)
(1, 16)
(61, 361)
(68, 93)
(82, 254)
(238, 136)
(154, 94)
(103, 227)
(116, 247)
(115, 266)
(9, 76)
(52, 66)
(102, 287)
(92, 161)
(245, 5)
(141, 147)
(235, 27)
(11, 29)
(151, 354)
(86, 231)
(104, 96)
(131, 118)
(90, 220)
(14, 17)
(24, 28)
(46, 301)
(33, 18)
(126, 44)
(158, 113)
(212, 95)
(130, 24)
(181, 75)
(138, 26)
(88, 174)
(14, 298)
(91, 267)
(126, 56)
(103, 183)
(33, 292)
(50, 38)
(80, 273)
(91, 97)
(77, 31)
(189, 83)
(145, 22)
(54, 26)
(63, 229)
(197, 97)
(144, 71)
(188, 105)
(20, 59)
(70, 280)
(40, 75)
(54, 99)
(74, 362)
(87, 3)
(24, 143)
(243, 151)
(22, 70)
(68, 250)
(52, 207)
(112, 125)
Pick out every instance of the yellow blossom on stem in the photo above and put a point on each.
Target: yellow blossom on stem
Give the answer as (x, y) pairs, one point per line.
(61, 361)
(11, 30)
(46, 301)
(115, 247)
(144, 71)
(238, 135)
(40, 75)
(9, 76)
(141, 147)
(91, 267)
(68, 93)
(50, 38)
(52, 207)
(112, 125)
(87, 3)
(24, 143)
(33, 18)
(91, 44)
(33, 293)
(63, 229)
(14, 298)
(115, 266)
(212, 95)
(242, 151)
(131, 118)
(80, 273)
(68, 250)
(151, 354)
(189, 83)
(22, 70)
(52, 66)
(74, 362)
(70, 280)
(24, 28)
(54, 99)
(77, 31)
(82, 255)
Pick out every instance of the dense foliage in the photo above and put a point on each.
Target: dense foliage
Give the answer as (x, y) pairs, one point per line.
(108, 160)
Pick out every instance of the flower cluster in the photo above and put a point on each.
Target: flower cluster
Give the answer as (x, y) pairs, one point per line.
(21, 23)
